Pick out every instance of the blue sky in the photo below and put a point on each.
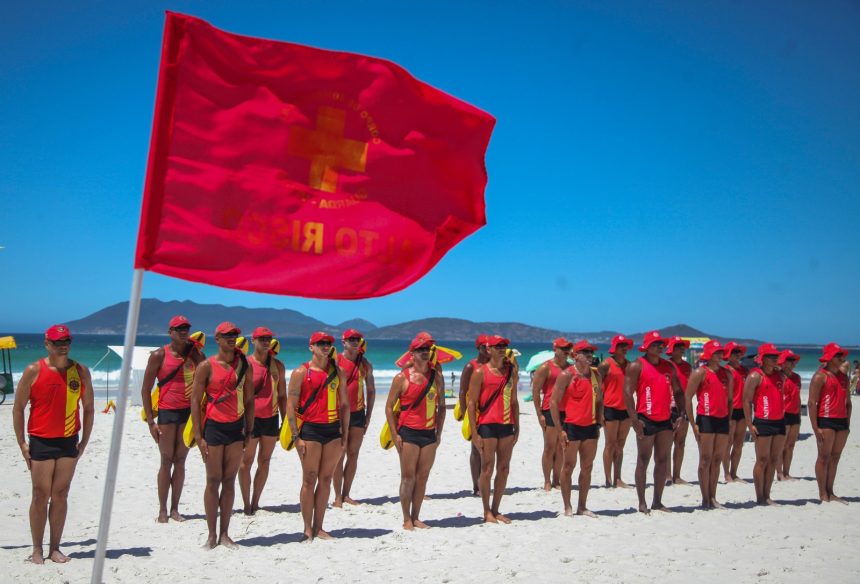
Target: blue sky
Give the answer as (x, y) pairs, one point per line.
(652, 163)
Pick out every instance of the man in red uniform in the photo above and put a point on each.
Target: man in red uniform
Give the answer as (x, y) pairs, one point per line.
(54, 387)
(617, 421)
(543, 383)
(676, 348)
(649, 384)
(482, 357)
(829, 409)
(359, 381)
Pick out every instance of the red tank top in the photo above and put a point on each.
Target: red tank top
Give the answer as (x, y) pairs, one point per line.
(499, 411)
(654, 392)
(581, 399)
(224, 401)
(54, 399)
(354, 382)
(613, 386)
(265, 390)
(791, 393)
(683, 372)
(423, 415)
(739, 377)
(713, 394)
(323, 410)
(768, 400)
(833, 400)
(176, 393)
(549, 384)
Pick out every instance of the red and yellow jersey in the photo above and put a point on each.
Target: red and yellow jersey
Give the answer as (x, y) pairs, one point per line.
(323, 410)
(54, 401)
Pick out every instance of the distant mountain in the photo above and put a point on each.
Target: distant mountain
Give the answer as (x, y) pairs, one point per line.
(154, 315)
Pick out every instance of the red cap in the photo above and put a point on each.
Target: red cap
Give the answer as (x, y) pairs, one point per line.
(320, 336)
(583, 345)
(178, 320)
(766, 350)
(493, 340)
(480, 340)
(351, 333)
(620, 340)
(674, 342)
(58, 332)
(788, 355)
(832, 350)
(262, 331)
(561, 342)
(421, 341)
(732, 346)
(651, 338)
(710, 348)
(227, 327)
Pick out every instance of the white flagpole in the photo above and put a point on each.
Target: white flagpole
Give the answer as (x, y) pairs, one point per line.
(118, 423)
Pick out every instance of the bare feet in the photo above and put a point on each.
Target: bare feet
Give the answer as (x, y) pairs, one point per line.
(643, 508)
(324, 534)
(248, 510)
(420, 524)
(547, 487)
(835, 499)
(176, 516)
(586, 513)
(739, 480)
(351, 501)
(502, 519)
(680, 481)
(338, 504)
(227, 542)
(489, 518)
(36, 556)
(771, 503)
(716, 504)
(211, 542)
(661, 507)
(621, 484)
(568, 511)
(306, 538)
(58, 557)
(408, 525)
(162, 517)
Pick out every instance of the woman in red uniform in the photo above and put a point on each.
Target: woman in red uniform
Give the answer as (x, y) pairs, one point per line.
(578, 387)
(54, 387)
(733, 353)
(494, 413)
(420, 388)
(649, 384)
(543, 383)
(359, 380)
(465, 377)
(616, 420)
(228, 422)
(317, 396)
(676, 348)
(829, 409)
(712, 386)
(172, 366)
(791, 391)
(764, 410)
(270, 398)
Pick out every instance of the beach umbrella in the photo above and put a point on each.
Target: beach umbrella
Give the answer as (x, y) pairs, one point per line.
(539, 359)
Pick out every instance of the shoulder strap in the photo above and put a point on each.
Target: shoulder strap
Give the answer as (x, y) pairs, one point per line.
(313, 396)
(424, 391)
(243, 367)
(169, 377)
(356, 370)
(498, 392)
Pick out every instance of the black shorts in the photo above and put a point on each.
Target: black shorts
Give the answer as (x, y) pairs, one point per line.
(792, 419)
(53, 448)
(738, 414)
(547, 416)
(495, 430)
(575, 432)
(712, 424)
(615, 415)
(223, 433)
(676, 413)
(266, 427)
(835, 424)
(419, 438)
(173, 416)
(322, 433)
(652, 427)
(767, 428)
(358, 419)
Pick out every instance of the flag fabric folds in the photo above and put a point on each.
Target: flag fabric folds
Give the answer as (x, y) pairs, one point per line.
(286, 169)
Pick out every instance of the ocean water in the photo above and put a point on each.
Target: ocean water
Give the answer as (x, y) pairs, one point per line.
(92, 351)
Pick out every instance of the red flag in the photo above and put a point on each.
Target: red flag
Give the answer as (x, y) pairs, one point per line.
(286, 169)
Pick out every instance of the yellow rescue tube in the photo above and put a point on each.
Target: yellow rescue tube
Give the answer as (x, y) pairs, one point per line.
(155, 393)
(466, 429)
(188, 434)
(386, 440)
(287, 440)
(458, 413)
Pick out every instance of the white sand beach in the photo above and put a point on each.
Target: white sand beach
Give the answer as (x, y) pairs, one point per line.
(796, 542)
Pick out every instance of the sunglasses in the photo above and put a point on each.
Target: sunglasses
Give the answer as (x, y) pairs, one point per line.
(324, 344)
(422, 350)
(230, 335)
(264, 339)
(353, 340)
(61, 342)
(587, 352)
(565, 349)
(182, 327)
